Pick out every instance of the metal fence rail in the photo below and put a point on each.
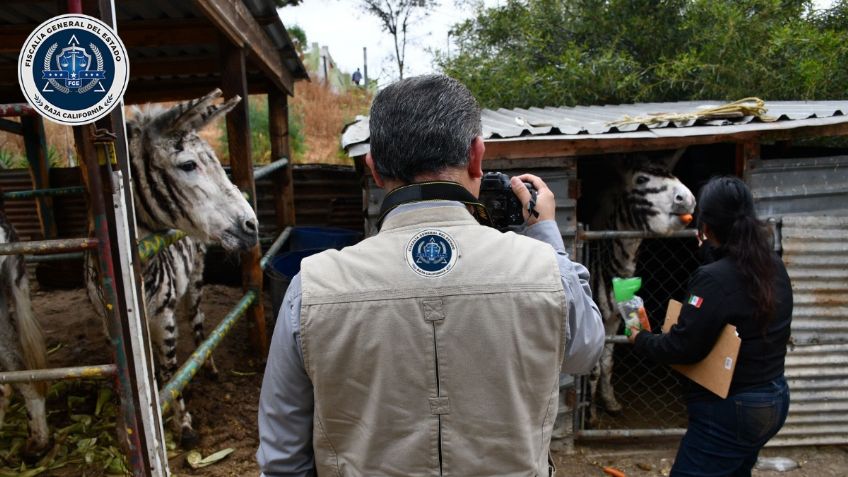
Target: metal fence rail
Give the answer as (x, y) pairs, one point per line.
(183, 376)
(101, 371)
(263, 171)
(31, 194)
(54, 246)
(151, 245)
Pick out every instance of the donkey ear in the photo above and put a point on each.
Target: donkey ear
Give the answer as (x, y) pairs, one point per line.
(202, 111)
(671, 160)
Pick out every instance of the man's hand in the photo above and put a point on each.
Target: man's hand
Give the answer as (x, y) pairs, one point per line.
(545, 203)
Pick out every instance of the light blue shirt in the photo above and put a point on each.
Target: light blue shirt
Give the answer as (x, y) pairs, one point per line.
(286, 400)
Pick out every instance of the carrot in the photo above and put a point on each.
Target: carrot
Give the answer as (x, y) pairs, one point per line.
(686, 218)
(613, 472)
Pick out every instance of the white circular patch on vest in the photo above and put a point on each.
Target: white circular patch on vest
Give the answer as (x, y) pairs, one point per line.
(431, 253)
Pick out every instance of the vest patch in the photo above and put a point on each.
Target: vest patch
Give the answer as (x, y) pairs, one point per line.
(431, 253)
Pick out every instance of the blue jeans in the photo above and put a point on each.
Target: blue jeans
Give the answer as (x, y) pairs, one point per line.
(724, 437)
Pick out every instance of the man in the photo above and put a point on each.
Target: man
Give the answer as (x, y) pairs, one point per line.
(434, 347)
(356, 77)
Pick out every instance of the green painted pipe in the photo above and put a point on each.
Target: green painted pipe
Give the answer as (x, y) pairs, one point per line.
(183, 376)
(101, 371)
(275, 247)
(149, 246)
(30, 194)
(263, 171)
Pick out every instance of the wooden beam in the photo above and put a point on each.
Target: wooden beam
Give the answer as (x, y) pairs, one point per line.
(180, 89)
(234, 82)
(236, 22)
(10, 126)
(747, 156)
(134, 33)
(278, 125)
(540, 147)
(174, 66)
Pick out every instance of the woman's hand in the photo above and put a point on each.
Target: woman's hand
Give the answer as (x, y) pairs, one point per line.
(632, 336)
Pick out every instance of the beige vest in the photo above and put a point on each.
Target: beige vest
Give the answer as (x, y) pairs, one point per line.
(456, 375)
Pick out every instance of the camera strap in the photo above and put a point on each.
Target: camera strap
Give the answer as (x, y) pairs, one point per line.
(437, 190)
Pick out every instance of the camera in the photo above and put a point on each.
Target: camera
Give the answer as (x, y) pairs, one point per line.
(503, 206)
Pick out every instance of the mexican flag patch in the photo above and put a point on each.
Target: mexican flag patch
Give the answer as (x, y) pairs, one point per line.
(695, 301)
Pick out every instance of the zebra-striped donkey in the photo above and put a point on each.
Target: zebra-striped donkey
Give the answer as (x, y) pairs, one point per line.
(178, 183)
(21, 341)
(646, 197)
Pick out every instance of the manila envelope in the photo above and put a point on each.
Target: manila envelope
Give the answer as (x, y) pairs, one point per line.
(716, 370)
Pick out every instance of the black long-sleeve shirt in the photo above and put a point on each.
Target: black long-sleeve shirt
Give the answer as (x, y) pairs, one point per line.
(719, 296)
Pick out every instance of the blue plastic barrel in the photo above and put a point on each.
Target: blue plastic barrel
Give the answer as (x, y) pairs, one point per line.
(281, 270)
(304, 238)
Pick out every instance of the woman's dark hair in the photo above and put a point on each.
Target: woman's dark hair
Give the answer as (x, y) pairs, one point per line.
(726, 205)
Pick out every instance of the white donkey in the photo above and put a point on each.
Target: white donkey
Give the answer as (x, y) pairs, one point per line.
(178, 183)
(645, 196)
(21, 341)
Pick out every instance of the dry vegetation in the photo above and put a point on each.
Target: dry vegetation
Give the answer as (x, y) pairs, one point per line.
(320, 114)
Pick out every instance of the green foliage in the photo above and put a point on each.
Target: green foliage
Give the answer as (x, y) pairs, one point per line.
(298, 34)
(566, 52)
(12, 160)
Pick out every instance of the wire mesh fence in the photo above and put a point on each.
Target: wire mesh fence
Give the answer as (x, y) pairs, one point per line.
(650, 393)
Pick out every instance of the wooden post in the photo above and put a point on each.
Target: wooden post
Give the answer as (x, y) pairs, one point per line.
(39, 169)
(234, 82)
(278, 120)
(747, 153)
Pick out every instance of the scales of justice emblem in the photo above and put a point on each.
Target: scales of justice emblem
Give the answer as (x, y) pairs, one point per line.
(432, 253)
(73, 68)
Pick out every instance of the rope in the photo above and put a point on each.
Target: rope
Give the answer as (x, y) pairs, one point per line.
(737, 109)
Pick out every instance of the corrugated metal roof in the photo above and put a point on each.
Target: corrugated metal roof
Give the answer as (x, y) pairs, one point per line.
(594, 122)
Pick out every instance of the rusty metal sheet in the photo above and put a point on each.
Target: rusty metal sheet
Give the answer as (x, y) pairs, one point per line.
(818, 409)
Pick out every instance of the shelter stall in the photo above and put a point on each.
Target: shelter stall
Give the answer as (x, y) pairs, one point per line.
(177, 51)
(800, 186)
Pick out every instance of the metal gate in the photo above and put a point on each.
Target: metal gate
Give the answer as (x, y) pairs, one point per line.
(651, 394)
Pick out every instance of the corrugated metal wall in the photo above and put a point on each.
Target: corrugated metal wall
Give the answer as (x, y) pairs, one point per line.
(815, 252)
(799, 185)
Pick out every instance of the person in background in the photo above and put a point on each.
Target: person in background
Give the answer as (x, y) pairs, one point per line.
(434, 347)
(356, 77)
(744, 285)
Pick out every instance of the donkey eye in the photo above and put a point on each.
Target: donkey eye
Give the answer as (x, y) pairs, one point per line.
(188, 166)
(642, 179)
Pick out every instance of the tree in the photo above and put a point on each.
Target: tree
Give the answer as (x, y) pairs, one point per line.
(567, 52)
(395, 18)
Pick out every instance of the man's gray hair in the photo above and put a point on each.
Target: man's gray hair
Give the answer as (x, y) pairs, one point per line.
(422, 124)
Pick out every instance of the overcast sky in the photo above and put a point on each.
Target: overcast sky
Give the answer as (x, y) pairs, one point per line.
(345, 29)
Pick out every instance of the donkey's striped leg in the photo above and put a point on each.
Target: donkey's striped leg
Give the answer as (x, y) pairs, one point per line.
(195, 292)
(166, 347)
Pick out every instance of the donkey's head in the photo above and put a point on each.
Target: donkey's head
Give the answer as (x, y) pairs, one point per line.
(179, 182)
(657, 200)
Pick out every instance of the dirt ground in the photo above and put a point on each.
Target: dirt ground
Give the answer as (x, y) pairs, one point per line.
(225, 411)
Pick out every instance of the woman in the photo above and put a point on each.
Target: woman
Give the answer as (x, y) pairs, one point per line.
(745, 285)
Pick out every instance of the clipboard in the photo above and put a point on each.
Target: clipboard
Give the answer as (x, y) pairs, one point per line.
(716, 370)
